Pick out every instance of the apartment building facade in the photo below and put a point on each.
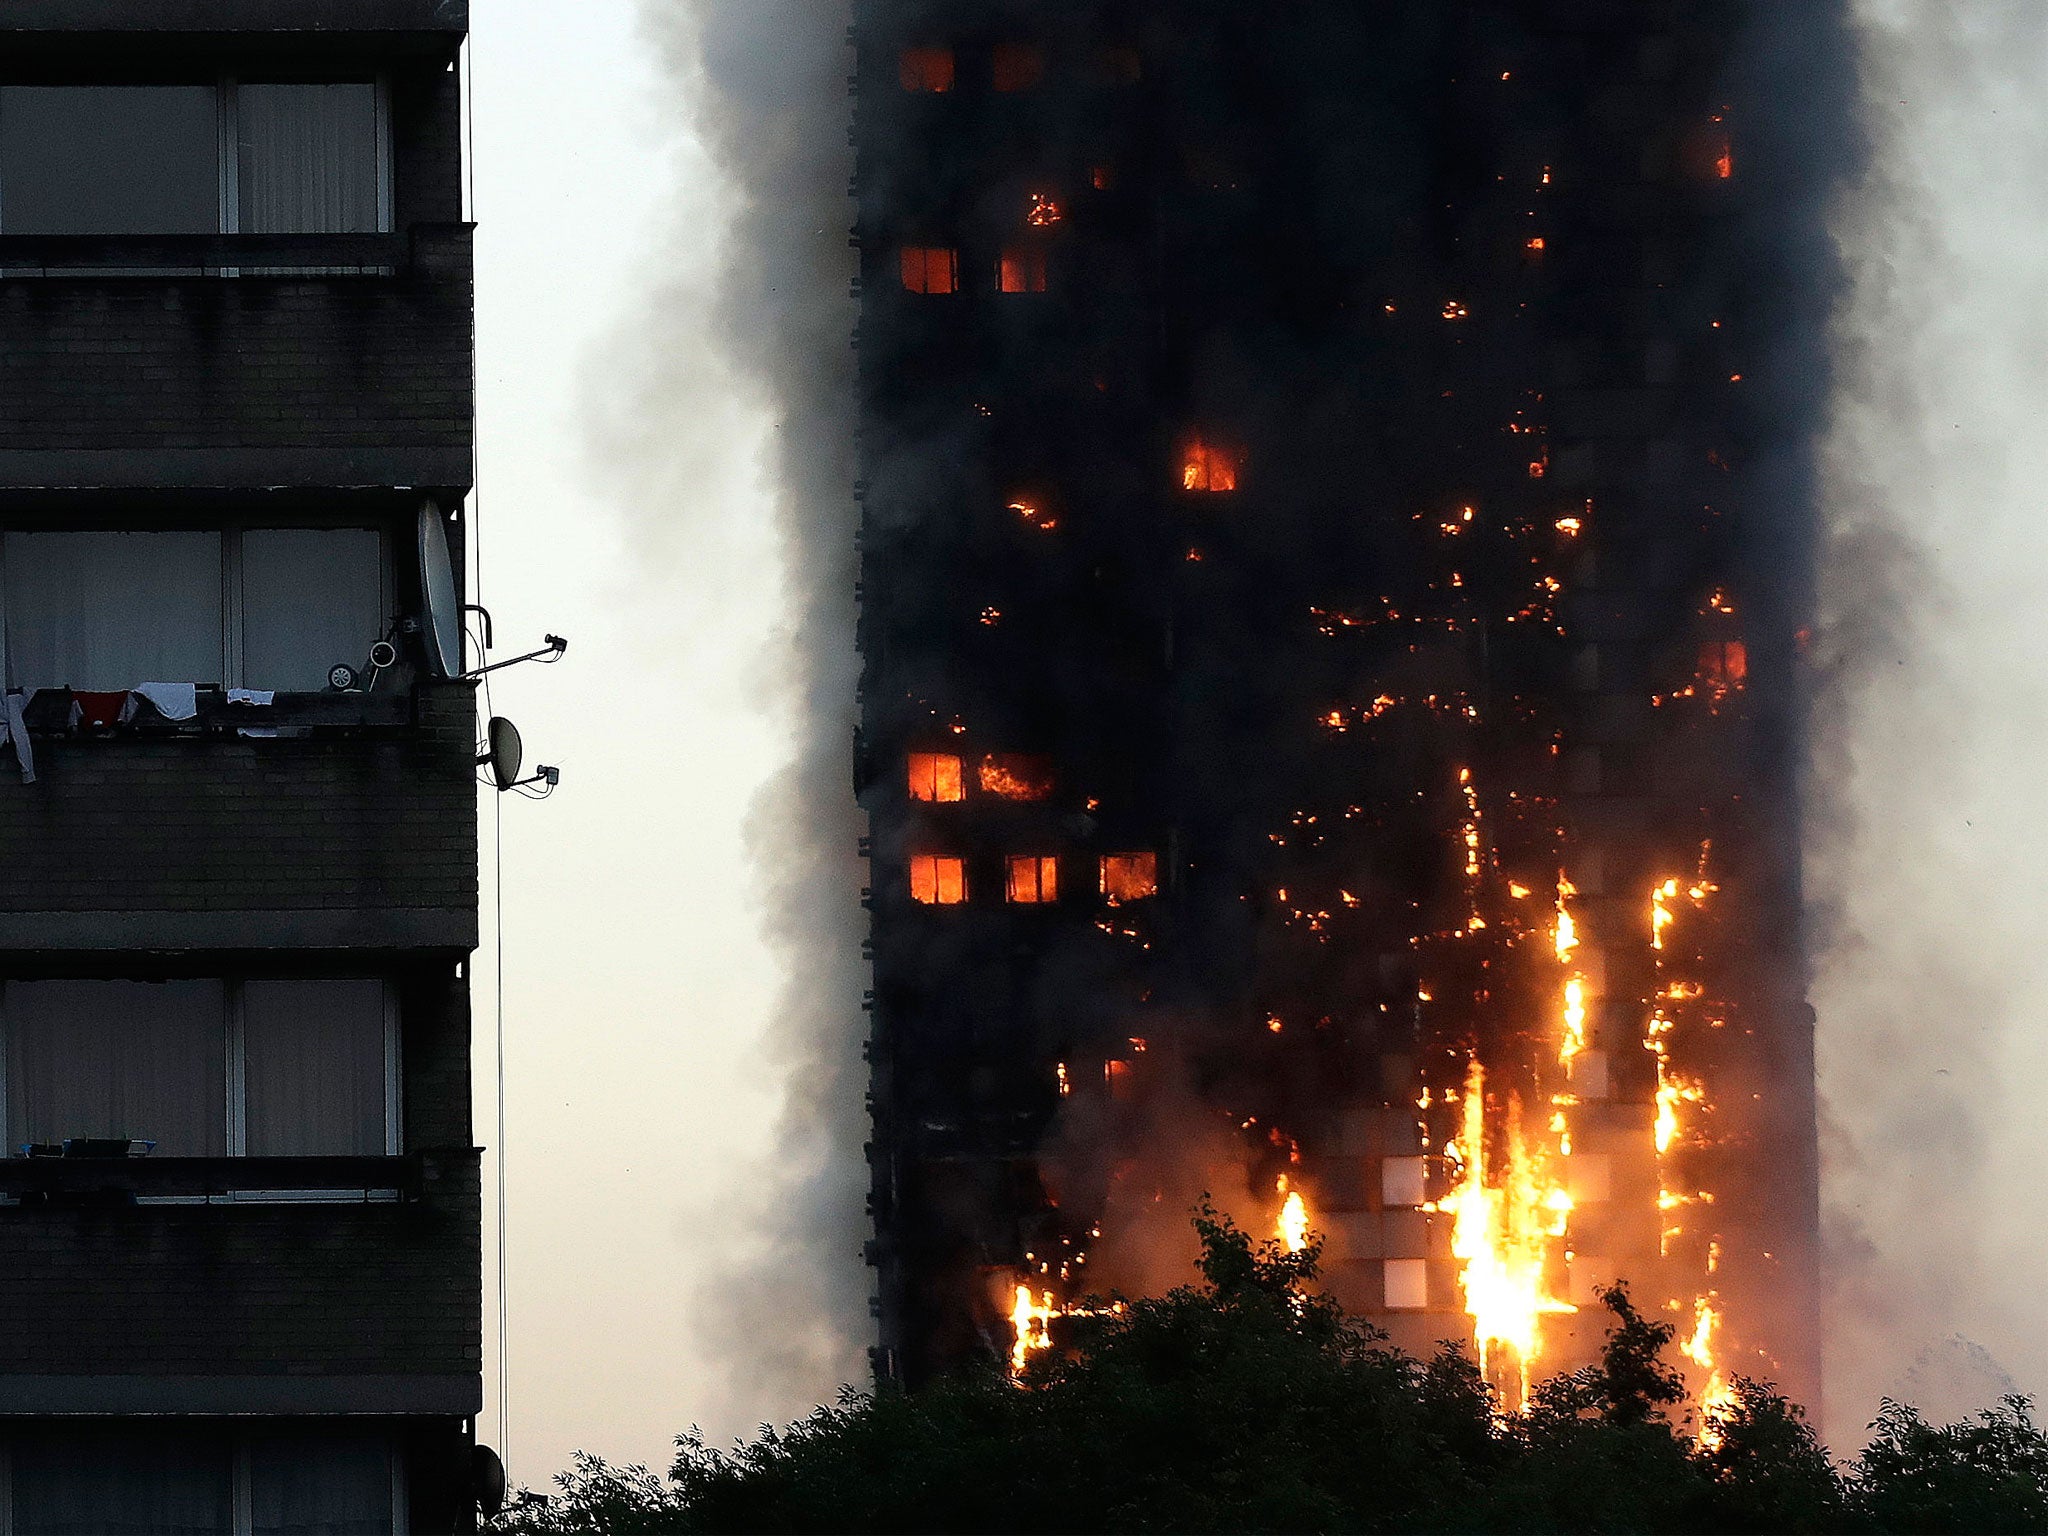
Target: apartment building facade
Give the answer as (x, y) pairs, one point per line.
(240, 1206)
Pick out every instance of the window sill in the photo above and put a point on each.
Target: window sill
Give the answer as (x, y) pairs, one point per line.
(33, 1181)
(427, 247)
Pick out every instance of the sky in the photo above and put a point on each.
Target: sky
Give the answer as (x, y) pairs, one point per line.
(640, 994)
(637, 988)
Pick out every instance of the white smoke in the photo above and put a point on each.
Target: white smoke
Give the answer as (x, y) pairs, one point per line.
(1929, 824)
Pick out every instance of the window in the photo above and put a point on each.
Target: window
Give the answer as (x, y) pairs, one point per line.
(1034, 879)
(125, 1480)
(258, 607)
(931, 269)
(308, 159)
(1021, 270)
(204, 1067)
(1015, 776)
(937, 879)
(936, 776)
(1016, 66)
(1402, 1181)
(925, 69)
(260, 158)
(1129, 876)
(1206, 466)
(1407, 1284)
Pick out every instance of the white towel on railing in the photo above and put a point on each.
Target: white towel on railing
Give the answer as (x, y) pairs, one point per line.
(13, 728)
(252, 696)
(174, 701)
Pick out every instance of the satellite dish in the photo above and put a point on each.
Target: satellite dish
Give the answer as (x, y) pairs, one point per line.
(437, 585)
(487, 1479)
(507, 753)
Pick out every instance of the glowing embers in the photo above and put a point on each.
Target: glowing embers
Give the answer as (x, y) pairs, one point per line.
(936, 777)
(930, 269)
(1128, 876)
(1209, 466)
(938, 879)
(925, 69)
(1015, 66)
(1021, 269)
(1037, 512)
(1015, 776)
(1044, 210)
(1034, 879)
(1509, 1211)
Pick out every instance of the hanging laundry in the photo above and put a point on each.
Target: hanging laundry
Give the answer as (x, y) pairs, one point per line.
(98, 711)
(174, 701)
(14, 730)
(252, 696)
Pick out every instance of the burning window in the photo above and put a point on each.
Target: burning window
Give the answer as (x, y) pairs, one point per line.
(925, 69)
(1723, 666)
(1044, 210)
(1130, 876)
(936, 777)
(1102, 176)
(931, 269)
(1016, 66)
(1407, 1284)
(938, 879)
(1034, 878)
(1116, 1077)
(1206, 466)
(1022, 270)
(1015, 776)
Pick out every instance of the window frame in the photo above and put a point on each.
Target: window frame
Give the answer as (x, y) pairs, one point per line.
(226, 89)
(235, 1083)
(232, 605)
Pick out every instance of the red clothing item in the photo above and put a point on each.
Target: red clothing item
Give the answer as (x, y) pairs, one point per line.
(98, 710)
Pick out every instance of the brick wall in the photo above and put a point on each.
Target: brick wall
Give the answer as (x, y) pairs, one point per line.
(366, 826)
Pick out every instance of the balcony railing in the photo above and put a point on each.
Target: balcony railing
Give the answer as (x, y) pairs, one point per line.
(38, 1181)
(423, 247)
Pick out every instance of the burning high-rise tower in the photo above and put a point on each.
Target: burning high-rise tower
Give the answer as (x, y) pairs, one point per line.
(1335, 537)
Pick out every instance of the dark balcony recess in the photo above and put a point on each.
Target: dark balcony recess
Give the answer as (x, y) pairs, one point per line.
(425, 249)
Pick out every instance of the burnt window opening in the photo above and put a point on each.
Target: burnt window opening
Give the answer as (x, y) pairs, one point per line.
(938, 879)
(1117, 1078)
(1033, 879)
(1723, 666)
(1015, 776)
(1015, 66)
(936, 777)
(1129, 876)
(1102, 176)
(931, 269)
(1021, 270)
(928, 68)
(1044, 210)
(1209, 466)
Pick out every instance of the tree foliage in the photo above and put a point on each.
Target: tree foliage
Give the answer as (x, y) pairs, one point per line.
(1248, 1402)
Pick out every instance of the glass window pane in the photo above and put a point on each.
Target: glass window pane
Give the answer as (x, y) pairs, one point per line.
(92, 1481)
(110, 610)
(310, 597)
(117, 1059)
(317, 1484)
(314, 1056)
(109, 160)
(309, 159)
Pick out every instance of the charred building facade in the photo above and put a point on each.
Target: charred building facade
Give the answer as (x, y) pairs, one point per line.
(1336, 518)
(239, 1208)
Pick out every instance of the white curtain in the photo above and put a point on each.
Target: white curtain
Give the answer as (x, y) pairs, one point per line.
(313, 1052)
(308, 159)
(315, 1483)
(117, 1058)
(310, 597)
(161, 1480)
(106, 610)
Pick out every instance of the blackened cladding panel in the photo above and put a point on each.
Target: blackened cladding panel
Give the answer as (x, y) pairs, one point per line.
(1361, 455)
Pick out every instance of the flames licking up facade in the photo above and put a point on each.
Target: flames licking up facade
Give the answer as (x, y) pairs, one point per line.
(1335, 525)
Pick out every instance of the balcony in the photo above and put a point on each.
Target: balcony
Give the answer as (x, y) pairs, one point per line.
(182, 1285)
(239, 362)
(352, 826)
